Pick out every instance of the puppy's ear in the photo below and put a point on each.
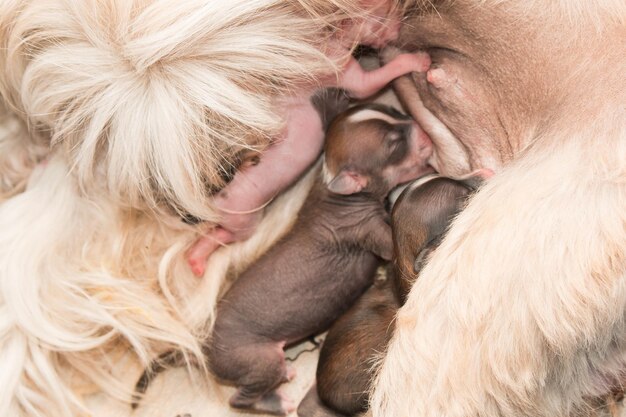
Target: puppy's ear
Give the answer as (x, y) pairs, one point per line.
(347, 182)
(422, 258)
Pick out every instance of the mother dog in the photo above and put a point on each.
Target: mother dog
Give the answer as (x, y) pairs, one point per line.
(521, 311)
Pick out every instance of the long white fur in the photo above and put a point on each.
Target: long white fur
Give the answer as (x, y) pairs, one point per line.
(121, 113)
(521, 311)
(168, 74)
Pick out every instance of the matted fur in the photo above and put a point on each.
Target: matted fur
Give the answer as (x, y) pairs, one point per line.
(522, 309)
(124, 113)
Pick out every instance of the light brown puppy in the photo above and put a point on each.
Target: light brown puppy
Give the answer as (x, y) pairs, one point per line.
(521, 309)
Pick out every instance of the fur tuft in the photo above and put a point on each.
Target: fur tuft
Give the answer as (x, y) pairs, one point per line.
(121, 116)
(153, 99)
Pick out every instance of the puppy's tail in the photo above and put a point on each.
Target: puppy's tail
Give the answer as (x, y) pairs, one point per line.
(312, 406)
(170, 359)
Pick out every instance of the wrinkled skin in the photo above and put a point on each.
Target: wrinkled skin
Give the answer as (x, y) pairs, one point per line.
(494, 76)
(520, 311)
(473, 85)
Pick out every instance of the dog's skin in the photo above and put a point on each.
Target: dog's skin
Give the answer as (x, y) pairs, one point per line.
(358, 339)
(520, 310)
(241, 202)
(312, 275)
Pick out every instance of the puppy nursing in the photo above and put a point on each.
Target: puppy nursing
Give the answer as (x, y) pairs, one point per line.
(241, 202)
(311, 276)
(356, 341)
(315, 272)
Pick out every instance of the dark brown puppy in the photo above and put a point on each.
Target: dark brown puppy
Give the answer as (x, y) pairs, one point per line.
(312, 275)
(347, 363)
(349, 353)
(421, 215)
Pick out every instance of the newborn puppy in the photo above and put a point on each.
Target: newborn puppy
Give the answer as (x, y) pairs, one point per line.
(420, 217)
(322, 265)
(355, 342)
(241, 202)
(347, 358)
(311, 276)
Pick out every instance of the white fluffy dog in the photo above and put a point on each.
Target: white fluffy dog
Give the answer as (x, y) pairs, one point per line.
(120, 115)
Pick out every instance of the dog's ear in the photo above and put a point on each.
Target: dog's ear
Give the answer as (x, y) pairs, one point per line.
(347, 182)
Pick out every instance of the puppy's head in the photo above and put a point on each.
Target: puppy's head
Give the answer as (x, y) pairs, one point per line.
(420, 218)
(372, 148)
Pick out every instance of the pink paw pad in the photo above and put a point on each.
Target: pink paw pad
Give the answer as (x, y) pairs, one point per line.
(422, 60)
(417, 62)
(199, 252)
(197, 266)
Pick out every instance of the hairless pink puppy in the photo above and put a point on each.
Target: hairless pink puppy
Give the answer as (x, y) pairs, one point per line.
(241, 202)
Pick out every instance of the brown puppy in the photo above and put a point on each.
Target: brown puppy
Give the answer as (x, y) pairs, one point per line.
(351, 348)
(356, 341)
(421, 215)
(317, 270)
(311, 276)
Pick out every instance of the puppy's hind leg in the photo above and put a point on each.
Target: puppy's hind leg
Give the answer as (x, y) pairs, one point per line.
(265, 371)
(273, 402)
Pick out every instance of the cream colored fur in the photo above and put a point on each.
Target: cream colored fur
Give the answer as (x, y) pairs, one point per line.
(19, 153)
(167, 74)
(507, 318)
(522, 309)
(121, 114)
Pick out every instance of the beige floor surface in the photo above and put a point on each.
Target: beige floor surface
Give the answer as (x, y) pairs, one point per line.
(180, 393)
